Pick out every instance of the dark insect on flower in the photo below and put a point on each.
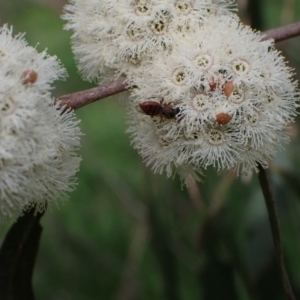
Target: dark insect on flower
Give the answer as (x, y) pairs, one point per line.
(153, 108)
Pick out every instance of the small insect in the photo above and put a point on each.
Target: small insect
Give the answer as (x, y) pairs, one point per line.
(153, 109)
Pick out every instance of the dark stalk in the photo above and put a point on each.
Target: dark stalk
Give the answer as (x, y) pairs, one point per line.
(275, 229)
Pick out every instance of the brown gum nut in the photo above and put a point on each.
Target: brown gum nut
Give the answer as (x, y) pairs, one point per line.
(223, 118)
(228, 88)
(29, 76)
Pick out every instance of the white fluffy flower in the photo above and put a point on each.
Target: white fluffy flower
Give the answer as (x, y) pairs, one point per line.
(222, 98)
(110, 35)
(38, 140)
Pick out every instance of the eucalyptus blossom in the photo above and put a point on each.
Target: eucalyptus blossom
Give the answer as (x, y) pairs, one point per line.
(232, 96)
(110, 35)
(38, 138)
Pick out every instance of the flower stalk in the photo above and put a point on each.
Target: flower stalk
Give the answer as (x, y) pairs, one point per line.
(282, 33)
(82, 98)
(275, 229)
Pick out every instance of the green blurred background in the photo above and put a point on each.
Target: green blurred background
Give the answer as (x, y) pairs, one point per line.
(126, 234)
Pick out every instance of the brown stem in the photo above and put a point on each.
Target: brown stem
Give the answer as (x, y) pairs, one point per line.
(282, 33)
(275, 228)
(79, 99)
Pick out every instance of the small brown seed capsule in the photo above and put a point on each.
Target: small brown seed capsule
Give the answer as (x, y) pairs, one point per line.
(212, 85)
(223, 118)
(228, 88)
(29, 76)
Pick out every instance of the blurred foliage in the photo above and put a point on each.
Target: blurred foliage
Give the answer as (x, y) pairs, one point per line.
(126, 234)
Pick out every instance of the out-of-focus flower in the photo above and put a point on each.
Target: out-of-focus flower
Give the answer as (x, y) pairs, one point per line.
(221, 98)
(38, 140)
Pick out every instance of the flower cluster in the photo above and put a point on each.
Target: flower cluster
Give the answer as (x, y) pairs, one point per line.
(205, 89)
(114, 35)
(232, 97)
(38, 139)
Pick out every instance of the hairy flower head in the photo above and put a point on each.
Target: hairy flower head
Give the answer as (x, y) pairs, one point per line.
(110, 35)
(38, 139)
(232, 97)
